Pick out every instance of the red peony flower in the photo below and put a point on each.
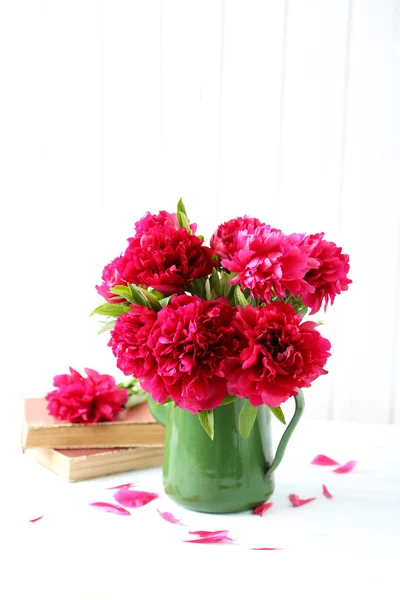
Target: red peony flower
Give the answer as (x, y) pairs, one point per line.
(111, 278)
(85, 400)
(190, 341)
(282, 354)
(328, 276)
(165, 259)
(224, 241)
(270, 263)
(128, 341)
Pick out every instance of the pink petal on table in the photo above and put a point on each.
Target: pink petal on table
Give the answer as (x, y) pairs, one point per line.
(134, 498)
(167, 516)
(323, 461)
(204, 534)
(297, 501)
(265, 548)
(349, 466)
(36, 519)
(121, 486)
(262, 508)
(111, 508)
(212, 539)
(326, 492)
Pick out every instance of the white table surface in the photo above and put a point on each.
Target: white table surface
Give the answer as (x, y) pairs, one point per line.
(347, 547)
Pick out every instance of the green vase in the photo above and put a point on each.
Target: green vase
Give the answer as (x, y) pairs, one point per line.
(227, 474)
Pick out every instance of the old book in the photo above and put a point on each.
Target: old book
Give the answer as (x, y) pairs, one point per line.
(79, 465)
(135, 427)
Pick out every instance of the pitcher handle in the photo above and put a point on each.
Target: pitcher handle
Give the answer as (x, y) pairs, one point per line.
(299, 400)
(158, 411)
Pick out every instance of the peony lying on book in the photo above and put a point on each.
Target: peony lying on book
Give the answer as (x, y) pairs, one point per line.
(91, 399)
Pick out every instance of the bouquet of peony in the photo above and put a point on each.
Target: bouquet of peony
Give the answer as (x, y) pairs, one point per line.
(202, 326)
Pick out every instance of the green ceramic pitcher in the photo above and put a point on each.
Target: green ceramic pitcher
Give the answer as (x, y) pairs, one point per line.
(227, 474)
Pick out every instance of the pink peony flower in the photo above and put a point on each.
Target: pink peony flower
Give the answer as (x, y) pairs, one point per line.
(111, 278)
(165, 259)
(269, 263)
(224, 241)
(190, 340)
(163, 219)
(85, 400)
(282, 354)
(329, 276)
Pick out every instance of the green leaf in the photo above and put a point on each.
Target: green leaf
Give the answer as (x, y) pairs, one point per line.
(206, 418)
(158, 404)
(239, 297)
(247, 417)
(184, 221)
(110, 310)
(181, 207)
(278, 413)
(228, 400)
(144, 297)
(207, 288)
(156, 293)
(151, 298)
(197, 287)
(226, 288)
(123, 291)
(165, 301)
(107, 326)
(135, 399)
(136, 395)
(215, 282)
(303, 311)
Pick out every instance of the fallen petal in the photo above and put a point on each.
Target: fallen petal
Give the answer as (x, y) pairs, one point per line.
(216, 539)
(204, 534)
(323, 461)
(111, 508)
(37, 519)
(134, 498)
(122, 486)
(349, 466)
(265, 548)
(326, 492)
(167, 516)
(297, 501)
(262, 508)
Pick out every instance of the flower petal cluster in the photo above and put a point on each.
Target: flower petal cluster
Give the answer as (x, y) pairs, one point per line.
(329, 276)
(166, 259)
(111, 278)
(88, 399)
(190, 341)
(270, 263)
(281, 354)
(224, 241)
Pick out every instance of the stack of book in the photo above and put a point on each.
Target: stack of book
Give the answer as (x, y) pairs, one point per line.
(134, 440)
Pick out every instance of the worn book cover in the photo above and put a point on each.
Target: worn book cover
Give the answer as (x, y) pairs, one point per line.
(133, 427)
(82, 464)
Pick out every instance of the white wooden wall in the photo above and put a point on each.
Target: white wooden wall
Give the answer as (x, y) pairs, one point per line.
(288, 110)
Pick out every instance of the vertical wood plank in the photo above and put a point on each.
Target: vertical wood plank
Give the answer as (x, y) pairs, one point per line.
(60, 218)
(252, 79)
(131, 115)
(370, 218)
(191, 35)
(395, 407)
(311, 146)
